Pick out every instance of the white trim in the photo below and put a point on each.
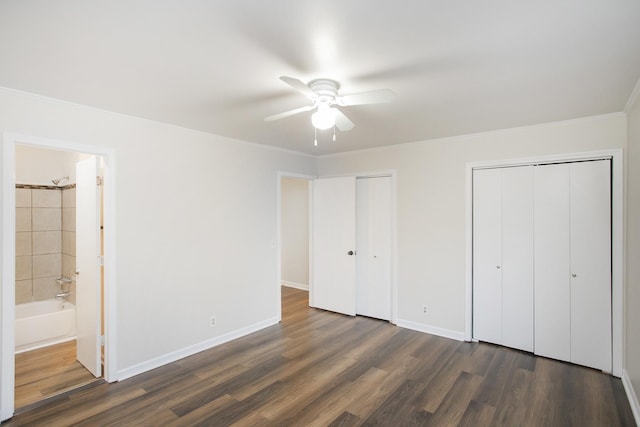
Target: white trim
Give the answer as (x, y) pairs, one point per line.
(617, 237)
(468, 136)
(7, 369)
(631, 396)
(433, 330)
(635, 94)
(279, 280)
(295, 285)
(7, 358)
(193, 349)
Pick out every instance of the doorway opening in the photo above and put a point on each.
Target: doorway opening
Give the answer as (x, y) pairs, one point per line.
(56, 269)
(293, 234)
(54, 315)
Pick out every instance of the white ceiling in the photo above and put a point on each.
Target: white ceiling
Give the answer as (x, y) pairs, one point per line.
(457, 66)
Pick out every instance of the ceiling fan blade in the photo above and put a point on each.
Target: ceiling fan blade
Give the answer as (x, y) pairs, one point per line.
(299, 86)
(372, 97)
(342, 122)
(289, 113)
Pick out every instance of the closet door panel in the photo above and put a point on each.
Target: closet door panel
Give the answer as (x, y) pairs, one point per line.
(517, 257)
(373, 259)
(552, 261)
(487, 258)
(591, 264)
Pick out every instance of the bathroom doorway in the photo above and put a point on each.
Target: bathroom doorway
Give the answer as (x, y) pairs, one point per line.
(58, 279)
(55, 302)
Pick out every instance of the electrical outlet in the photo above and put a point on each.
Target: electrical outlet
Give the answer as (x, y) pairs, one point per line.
(425, 311)
(212, 321)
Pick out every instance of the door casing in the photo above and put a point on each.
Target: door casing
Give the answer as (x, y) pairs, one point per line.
(7, 291)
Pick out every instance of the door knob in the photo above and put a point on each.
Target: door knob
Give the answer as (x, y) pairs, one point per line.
(77, 272)
(574, 275)
(350, 253)
(498, 267)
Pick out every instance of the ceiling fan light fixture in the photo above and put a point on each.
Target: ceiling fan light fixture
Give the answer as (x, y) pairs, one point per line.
(324, 118)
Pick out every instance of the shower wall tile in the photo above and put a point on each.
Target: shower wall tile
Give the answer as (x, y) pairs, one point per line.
(23, 219)
(23, 198)
(47, 242)
(69, 266)
(23, 267)
(23, 243)
(69, 198)
(45, 288)
(46, 198)
(46, 266)
(47, 219)
(69, 219)
(24, 291)
(69, 243)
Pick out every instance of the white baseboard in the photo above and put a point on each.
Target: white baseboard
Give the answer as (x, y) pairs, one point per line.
(193, 349)
(631, 396)
(433, 330)
(301, 286)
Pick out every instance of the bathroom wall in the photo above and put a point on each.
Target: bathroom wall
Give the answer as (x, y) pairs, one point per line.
(38, 243)
(45, 223)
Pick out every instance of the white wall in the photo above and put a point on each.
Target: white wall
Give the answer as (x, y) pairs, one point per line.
(431, 202)
(196, 216)
(295, 231)
(632, 356)
(38, 166)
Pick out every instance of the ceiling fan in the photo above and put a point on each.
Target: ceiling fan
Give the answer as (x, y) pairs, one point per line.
(325, 99)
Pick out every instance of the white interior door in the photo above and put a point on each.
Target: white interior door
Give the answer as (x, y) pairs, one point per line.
(487, 255)
(552, 227)
(88, 266)
(333, 285)
(373, 277)
(517, 257)
(591, 264)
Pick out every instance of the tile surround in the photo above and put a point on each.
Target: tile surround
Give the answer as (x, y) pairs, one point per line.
(44, 251)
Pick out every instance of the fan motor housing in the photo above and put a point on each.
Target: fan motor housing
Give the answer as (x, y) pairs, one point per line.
(326, 89)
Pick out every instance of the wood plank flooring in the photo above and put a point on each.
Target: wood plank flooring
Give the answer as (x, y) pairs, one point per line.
(46, 372)
(323, 369)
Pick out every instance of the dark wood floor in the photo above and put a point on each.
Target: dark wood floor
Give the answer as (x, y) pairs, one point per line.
(322, 369)
(49, 371)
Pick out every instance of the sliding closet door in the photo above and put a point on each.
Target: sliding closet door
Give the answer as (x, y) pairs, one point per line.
(591, 264)
(552, 261)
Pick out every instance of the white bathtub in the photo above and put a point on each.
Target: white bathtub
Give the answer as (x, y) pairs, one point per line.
(43, 323)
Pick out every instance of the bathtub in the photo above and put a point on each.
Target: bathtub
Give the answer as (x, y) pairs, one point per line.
(43, 323)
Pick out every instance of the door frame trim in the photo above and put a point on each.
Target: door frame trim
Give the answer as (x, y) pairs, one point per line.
(7, 291)
(617, 238)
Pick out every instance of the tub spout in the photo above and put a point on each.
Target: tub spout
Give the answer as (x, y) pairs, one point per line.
(63, 295)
